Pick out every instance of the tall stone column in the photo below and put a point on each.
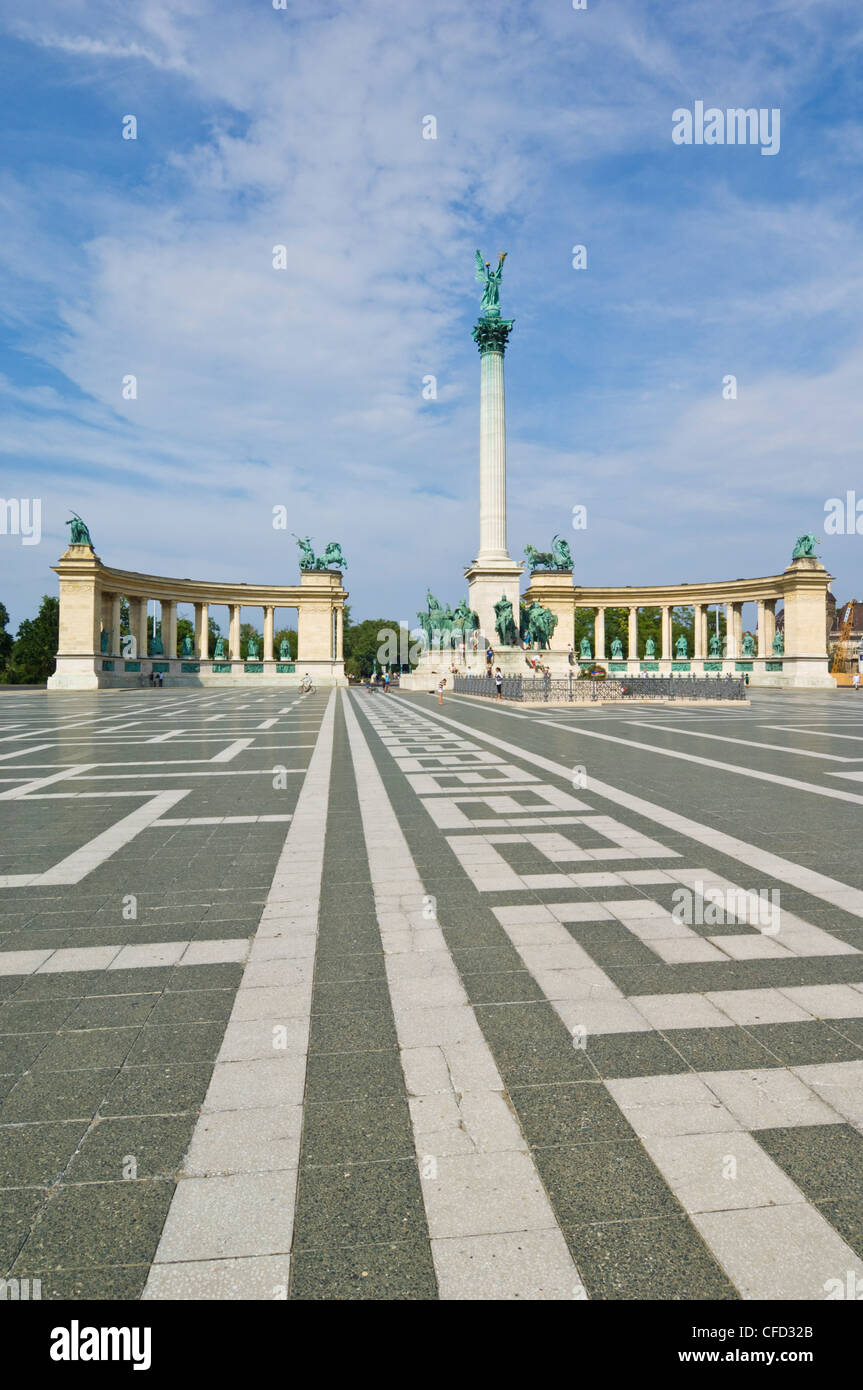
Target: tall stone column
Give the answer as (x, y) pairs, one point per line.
(115, 623)
(632, 648)
(759, 630)
(737, 610)
(731, 647)
(269, 617)
(698, 631)
(493, 573)
(599, 634)
(234, 636)
(138, 624)
(202, 631)
(769, 626)
(169, 627)
(705, 630)
(340, 620)
(666, 634)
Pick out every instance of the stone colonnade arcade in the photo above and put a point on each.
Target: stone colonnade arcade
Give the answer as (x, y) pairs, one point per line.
(89, 655)
(801, 661)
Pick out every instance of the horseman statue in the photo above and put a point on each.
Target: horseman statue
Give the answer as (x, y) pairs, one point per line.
(558, 558)
(331, 556)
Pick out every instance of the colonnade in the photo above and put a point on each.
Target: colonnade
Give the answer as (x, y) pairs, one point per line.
(732, 643)
(90, 652)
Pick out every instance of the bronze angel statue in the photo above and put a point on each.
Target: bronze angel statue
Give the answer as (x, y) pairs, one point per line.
(491, 280)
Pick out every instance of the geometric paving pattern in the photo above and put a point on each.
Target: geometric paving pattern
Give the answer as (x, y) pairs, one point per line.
(350, 996)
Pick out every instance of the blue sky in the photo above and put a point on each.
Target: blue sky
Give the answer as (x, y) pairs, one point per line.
(303, 387)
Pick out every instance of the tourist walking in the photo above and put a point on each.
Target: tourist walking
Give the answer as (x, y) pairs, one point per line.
(498, 683)
(856, 680)
(386, 682)
(440, 689)
(489, 658)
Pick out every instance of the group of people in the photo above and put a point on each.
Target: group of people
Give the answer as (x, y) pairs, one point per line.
(379, 682)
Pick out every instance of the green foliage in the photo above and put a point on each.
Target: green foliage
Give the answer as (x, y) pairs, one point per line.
(5, 639)
(363, 647)
(31, 660)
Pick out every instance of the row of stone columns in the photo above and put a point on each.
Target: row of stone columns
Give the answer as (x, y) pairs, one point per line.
(138, 627)
(766, 631)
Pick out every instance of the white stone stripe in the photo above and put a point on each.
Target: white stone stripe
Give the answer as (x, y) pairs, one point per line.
(69, 959)
(230, 1226)
(830, 890)
(33, 785)
(492, 1228)
(82, 861)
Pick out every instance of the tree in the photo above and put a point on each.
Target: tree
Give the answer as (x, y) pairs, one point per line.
(5, 639)
(31, 661)
(363, 647)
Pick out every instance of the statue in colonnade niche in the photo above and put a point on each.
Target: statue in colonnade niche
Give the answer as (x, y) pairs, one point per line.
(650, 647)
(252, 649)
(680, 648)
(154, 646)
(715, 645)
(284, 650)
(748, 644)
(584, 652)
(105, 638)
(779, 644)
(219, 654)
(616, 649)
(188, 647)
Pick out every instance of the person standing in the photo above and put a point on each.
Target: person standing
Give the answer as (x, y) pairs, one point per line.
(440, 689)
(856, 680)
(489, 658)
(498, 683)
(386, 682)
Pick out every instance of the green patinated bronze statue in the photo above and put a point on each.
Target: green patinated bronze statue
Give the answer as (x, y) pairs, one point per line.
(284, 650)
(154, 646)
(490, 279)
(558, 558)
(715, 645)
(188, 647)
(219, 654)
(779, 644)
(78, 534)
(616, 649)
(310, 561)
(538, 624)
(505, 622)
(105, 638)
(252, 649)
(748, 644)
(680, 648)
(584, 652)
(804, 548)
(650, 647)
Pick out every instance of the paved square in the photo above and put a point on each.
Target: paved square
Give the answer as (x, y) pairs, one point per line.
(348, 995)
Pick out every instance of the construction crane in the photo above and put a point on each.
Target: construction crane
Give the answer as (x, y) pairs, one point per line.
(844, 647)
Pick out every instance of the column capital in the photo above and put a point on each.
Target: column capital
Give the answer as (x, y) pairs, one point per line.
(492, 334)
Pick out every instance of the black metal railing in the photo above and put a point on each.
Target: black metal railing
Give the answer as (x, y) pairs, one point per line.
(557, 690)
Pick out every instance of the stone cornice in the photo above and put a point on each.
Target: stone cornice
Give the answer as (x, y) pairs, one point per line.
(314, 584)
